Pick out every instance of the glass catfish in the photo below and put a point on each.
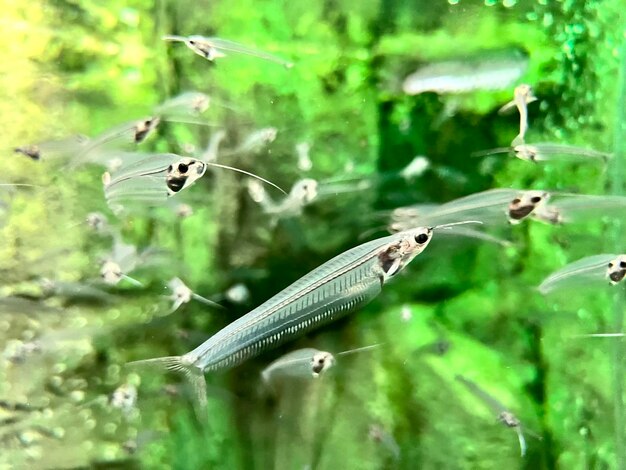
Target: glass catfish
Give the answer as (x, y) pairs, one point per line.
(346, 282)
(522, 96)
(504, 415)
(156, 177)
(305, 363)
(212, 48)
(546, 151)
(587, 272)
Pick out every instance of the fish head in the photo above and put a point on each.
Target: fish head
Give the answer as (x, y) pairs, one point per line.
(96, 221)
(508, 419)
(321, 362)
(144, 127)
(395, 256)
(525, 204)
(183, 174)
(616, 270)
(180, 292)
(31, 151)
(111, 273)
(201, 46)
(305, 190)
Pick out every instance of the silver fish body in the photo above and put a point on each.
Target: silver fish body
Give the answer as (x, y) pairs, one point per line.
(337, 287)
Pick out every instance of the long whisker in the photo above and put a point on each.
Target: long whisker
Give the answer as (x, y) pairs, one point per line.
(494, 151)
(464, 222)
(226, 167)
(174, 38)
(356, 350)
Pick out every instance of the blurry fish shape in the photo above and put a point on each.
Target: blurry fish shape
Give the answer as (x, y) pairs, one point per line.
(504, 415)
(181, 294)
(491, 71)
(183, 210)
(255, 142)
(157, 177)
(237, 294)
(305, 363)
(75, 291)
(124, 398)
(212, 48)
(496, 206)
(547, 151)
(522, 96)
(55, 149)
(346, 282)
(587, 272)
(123, 260)
(378, 434)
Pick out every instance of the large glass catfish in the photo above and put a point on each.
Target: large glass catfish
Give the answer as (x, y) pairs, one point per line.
(344, 283)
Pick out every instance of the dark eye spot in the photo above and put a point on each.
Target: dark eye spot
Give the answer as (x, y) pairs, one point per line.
(421, 238)
(535, 199)
(622, 264)
(516, 201)
(183, 168)
(193, 43)
(610, 265)
(169, 168)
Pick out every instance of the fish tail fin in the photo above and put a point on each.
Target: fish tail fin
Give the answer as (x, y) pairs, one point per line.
(193, 374)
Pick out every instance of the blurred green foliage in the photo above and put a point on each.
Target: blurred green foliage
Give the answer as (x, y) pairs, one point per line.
(82, 66)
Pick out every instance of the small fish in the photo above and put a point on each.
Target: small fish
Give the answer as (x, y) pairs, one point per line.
(522, 96)
(546, 151)
(378, 434)
(157, 177)
(124, 398)
(212, 48)
(337, 287)
(587, 272)
(304, 363)
(491, 71)
(181, 294)
(74, 291)
(123, 259)
(255, 142)
(504, 416)
(302, 193)
(55, 149)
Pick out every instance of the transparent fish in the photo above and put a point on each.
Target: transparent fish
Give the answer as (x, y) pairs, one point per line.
(302, 193)
(123, 260)
(337, 287)
(522, 96)
(124, 398)
(491, 71)
(504, 416)
(378, 434)
(157, 177)
(304, 363)
(181, 294)
(55, 149)
(212, 48)
(571, 208)
(255, 142)
(75, 291)
(547, 151)
(589, 272)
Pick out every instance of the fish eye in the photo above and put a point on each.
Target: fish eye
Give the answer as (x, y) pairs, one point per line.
(192, 42)
(183, 168)
(610, 265)
(622, 264)
(169, 168)
(535, 199)
(516, 201)
(421, 238)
